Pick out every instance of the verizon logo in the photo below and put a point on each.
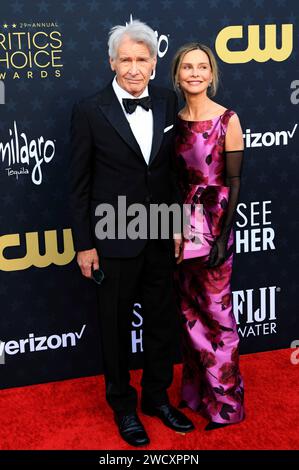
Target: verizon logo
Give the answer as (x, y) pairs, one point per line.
(39, 343)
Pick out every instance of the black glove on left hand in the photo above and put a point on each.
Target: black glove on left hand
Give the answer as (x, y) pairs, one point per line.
(233, 168)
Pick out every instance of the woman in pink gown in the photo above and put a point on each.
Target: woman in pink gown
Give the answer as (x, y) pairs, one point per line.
(209, 153)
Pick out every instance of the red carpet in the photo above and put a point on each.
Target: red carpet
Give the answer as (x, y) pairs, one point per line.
(73, 414)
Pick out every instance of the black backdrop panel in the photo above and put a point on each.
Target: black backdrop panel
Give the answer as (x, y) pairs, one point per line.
(53, 53)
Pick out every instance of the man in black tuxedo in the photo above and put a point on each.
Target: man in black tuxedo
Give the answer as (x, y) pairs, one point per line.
(122, 144)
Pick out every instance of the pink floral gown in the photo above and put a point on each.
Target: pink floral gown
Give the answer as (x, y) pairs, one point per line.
(212, 383)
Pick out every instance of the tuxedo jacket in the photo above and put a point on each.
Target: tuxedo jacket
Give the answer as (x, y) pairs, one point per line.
(106, 162)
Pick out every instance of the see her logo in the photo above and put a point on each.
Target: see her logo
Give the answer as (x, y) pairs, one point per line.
(295, 354)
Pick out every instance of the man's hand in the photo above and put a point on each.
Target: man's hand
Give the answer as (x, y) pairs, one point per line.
(178, 247)
(87, 260)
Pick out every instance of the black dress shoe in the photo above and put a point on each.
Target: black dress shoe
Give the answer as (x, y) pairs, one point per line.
(131, 429)
(183, 404)
(170, 416)
(213, 425)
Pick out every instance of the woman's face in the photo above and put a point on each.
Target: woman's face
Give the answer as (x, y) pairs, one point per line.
(195, 73)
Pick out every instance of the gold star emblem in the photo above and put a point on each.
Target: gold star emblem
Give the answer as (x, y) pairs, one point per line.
(5, 25)
(14, 25)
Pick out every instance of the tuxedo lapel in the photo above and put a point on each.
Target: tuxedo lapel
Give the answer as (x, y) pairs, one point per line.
(111, 108)
(113, 111)
(159, 113)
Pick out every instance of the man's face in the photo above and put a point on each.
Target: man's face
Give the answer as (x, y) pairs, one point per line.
(133, 66)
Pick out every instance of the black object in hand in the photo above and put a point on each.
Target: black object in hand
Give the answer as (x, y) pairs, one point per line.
(98, 276)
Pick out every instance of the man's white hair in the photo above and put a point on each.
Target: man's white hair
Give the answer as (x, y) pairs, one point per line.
(137, 31)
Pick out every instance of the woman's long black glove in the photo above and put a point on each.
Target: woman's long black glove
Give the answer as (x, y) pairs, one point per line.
(233, 167)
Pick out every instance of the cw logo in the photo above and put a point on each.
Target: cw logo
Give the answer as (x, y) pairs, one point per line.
(33, 256)
(253, 50)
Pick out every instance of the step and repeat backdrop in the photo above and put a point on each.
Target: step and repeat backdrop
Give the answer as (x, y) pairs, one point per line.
(52, 53)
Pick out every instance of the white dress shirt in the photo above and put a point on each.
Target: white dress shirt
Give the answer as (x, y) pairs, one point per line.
(141, 121)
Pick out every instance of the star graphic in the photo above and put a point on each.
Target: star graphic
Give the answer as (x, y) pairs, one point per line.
(25, 123)
(281, 73)
(69, 5)
(237, 75)
(96, 44)
(97, 82)
(214, 3)
(48, 85)
(11, 105)
(17, 7)
(82, 25)
(259, 74)
(249, 92)
(143, 4)
(93, 5)
(179, 22)
(225, 21)
(166, 4)
(62, 102)
(270, 91)
(84, 63)
(118, 5)
(43, 6)
(73, 83)
(36, 104)
(71, 44)
(202, 22)
(236, 3)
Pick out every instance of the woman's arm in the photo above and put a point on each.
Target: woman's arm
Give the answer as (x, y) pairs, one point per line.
(234, 149)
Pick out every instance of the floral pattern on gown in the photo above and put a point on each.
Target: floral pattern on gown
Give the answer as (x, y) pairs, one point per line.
(212, 383)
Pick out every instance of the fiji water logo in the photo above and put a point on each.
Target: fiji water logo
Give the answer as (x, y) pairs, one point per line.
(255, 311)
(22, 156)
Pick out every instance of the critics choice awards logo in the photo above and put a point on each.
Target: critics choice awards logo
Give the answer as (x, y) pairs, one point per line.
(30, 50)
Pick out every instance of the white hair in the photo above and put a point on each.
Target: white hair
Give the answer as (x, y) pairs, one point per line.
(137, 31)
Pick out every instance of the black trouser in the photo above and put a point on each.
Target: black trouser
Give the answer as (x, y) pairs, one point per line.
(150, 276)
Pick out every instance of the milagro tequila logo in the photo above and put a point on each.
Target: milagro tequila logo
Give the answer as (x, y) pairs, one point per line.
(22, 156)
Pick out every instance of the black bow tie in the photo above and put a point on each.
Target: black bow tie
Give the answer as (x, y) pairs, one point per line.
(130, 104)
